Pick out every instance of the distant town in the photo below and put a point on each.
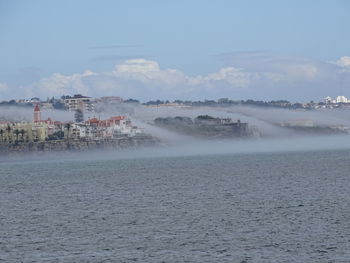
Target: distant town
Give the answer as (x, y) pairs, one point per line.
(48, 134)
(118, 131)
(90, 104)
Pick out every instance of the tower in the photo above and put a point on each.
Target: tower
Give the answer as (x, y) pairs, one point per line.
(37, 113)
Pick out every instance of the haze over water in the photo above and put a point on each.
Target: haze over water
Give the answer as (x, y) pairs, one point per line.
(267, 207)
(255, 169)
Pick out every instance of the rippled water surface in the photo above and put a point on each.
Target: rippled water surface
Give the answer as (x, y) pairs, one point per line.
(280, 207)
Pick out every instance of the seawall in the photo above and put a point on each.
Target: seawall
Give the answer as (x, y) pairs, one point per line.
(79, 145)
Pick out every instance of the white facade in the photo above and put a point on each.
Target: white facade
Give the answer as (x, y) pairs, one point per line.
(86, 104)
(328, 100)
(338, 99)
(104, 129)
(341, 99)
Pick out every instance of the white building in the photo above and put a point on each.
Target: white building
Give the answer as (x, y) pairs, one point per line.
(338, 99)
(341, 99)
(86, 104)
(328, 100)
(97, 129)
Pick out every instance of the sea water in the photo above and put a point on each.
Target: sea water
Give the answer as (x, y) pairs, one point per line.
(266, 207)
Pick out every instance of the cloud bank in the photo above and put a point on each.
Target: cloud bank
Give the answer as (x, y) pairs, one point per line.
(255, 75)
(343, 61)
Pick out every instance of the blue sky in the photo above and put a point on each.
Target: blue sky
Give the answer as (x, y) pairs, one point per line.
(195, 38)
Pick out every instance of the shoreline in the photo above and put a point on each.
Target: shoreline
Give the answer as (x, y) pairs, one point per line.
(78, 145)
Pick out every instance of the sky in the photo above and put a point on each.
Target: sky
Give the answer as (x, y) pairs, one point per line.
(160, 49)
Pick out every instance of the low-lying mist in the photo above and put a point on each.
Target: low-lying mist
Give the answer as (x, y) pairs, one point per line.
(196, 148)
(275, 139)
(266, 120)
(18, 114)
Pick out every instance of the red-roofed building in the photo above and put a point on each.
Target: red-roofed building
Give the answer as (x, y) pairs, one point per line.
(37, 113)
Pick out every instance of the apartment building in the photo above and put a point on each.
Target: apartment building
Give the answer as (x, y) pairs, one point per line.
(78, 101)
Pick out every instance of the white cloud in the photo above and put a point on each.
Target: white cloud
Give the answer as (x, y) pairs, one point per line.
(137, 66)
(300, 72)
(147, 71)
(246, 75)
(285, 67)
(343, 61)
(232, 76)
(59, 84)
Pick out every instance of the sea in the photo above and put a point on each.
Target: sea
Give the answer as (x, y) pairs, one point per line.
(249, 207)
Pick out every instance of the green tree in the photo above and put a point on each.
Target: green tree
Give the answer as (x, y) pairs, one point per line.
(8, 129)
(17, 132)
(2, 135)
(22, 134)
(68, 126)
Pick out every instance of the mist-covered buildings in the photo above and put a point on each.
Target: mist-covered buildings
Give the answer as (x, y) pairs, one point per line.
(206, 126)
(104, 129)
(339, 99)
(44, 130)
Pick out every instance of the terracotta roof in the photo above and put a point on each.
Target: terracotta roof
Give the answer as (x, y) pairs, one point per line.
(93, 120)
(117, 118)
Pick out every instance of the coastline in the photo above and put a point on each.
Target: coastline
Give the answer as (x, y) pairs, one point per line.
(78, 145)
